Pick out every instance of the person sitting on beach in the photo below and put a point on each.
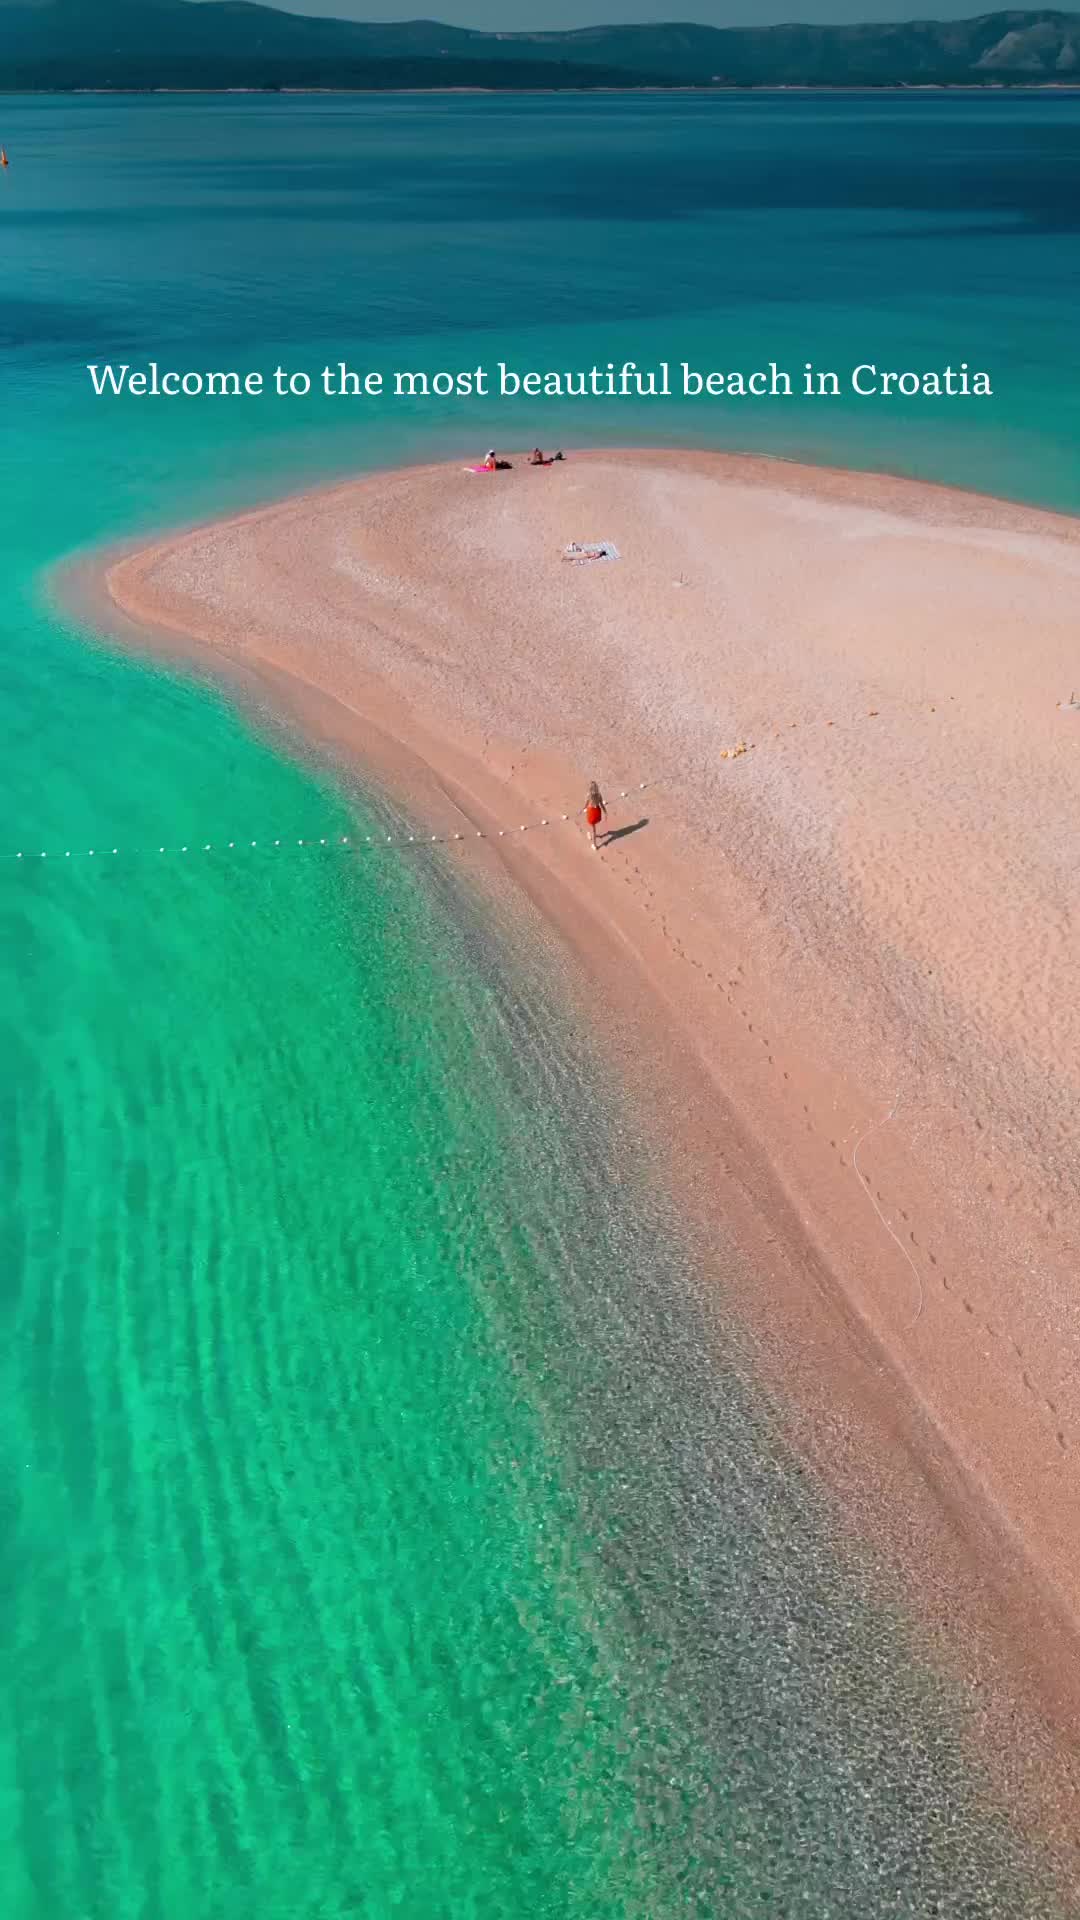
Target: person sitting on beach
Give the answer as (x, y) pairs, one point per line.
(490, 462)
(536, 458)
(595, 811)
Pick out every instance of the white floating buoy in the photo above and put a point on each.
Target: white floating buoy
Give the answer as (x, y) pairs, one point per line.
(67, 856)
(206, 849)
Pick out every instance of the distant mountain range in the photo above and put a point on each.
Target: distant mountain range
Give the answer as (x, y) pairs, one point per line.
(232, 43)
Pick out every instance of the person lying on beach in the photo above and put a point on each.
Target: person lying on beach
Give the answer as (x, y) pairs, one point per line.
(538, 458)
(576, 553)
(595, 811)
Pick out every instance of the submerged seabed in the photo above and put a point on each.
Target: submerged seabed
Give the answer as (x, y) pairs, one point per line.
(789, 1748)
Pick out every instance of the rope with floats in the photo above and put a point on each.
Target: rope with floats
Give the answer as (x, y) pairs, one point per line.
(355, 843)
(340, 843)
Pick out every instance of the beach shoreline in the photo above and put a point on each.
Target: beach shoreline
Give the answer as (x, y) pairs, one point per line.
(403, 625)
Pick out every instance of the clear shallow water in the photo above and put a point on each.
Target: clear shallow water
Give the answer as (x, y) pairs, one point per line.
(377, 1539)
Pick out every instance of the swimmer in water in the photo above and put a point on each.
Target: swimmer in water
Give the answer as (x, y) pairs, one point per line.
(595, 811)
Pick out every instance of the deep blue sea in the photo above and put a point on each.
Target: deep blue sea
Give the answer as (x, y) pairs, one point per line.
(390, 1523)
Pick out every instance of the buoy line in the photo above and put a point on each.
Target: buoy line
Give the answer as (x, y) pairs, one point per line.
(340, 843)
(356, 843)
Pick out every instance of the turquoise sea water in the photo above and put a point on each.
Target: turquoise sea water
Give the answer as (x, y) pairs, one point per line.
(388, 1525)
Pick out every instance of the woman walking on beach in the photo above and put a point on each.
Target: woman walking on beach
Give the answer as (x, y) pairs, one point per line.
(595, 811)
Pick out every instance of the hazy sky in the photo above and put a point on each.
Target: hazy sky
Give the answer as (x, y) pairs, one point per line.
(517, 14)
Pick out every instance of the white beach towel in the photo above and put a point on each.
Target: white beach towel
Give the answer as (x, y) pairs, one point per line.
(581, 550)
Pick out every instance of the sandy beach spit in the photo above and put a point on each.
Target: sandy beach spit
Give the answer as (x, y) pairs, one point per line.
(840, 969)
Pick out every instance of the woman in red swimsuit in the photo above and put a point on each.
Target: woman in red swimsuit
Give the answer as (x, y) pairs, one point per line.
(595, 811)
